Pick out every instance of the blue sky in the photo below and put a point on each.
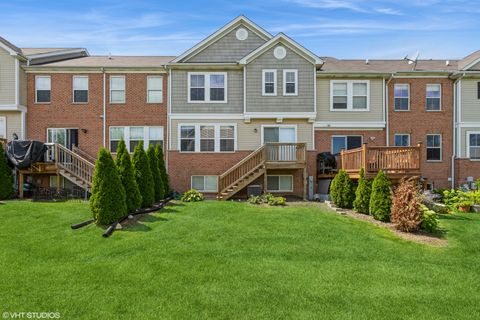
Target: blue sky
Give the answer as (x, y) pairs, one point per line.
(343, 29)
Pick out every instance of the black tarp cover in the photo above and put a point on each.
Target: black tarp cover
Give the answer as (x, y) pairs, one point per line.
(22, 154)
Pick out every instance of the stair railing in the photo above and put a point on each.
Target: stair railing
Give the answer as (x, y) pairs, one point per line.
(74, 164)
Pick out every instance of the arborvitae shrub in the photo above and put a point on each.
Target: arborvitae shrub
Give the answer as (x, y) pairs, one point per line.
(157, 178)
(343, 192)
(108, 195)
(6, 177)
(143, 176)
(381, 200)
(406, 207)
(127, 176)
(362, 194)
(163, 169)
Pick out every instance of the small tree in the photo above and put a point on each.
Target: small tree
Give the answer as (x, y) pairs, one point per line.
(143, 176)
(127, 176)
(6, 177)
(362, 194)
(407, 206)
(157, 178)
(163, 169)
(108, 195)
(334, 189)
(343, 191)
(380, 199)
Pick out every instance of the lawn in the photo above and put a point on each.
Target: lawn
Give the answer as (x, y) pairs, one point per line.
(231, 260)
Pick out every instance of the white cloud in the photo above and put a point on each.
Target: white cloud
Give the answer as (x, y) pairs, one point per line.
(389, 11)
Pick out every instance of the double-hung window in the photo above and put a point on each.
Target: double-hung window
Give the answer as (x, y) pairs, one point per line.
(352, 95)
(80, 89)
(206, 138)
(401, 96)
(434, 147)
(433, 97)
(473, 142)
(340, 143)
(117, 89)
(269, 82)
(134, 135)
(205, 183)
(42, 89)
(290, 82)
(207, 87)
(154, 89)
(402, 140)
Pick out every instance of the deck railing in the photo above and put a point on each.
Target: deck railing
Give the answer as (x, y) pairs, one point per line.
(389, 159)
(285, 152)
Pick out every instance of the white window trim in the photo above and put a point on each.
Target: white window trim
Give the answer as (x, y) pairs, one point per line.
(343, 136)
(161, 90)
(349, 95)
(295, 71)
(402, 134)
(73, 89)
(124, 89)
(207, 191)
(126, 137)
(4, 133)
(36, 96)
(468, 133)
(280, 175)
(264, 71)
(197, 136)
(207, 86)
(441, 147)
(394, 97)
(294, 126)
(440, 98)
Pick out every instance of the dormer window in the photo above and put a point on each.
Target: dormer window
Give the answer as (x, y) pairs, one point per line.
(207, 87)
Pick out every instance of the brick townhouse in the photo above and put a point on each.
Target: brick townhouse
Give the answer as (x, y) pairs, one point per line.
(244, 107)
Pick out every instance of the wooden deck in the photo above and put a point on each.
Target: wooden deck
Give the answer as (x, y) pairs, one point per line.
(396, 162)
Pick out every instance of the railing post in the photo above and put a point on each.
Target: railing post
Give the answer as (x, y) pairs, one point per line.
(342, 158)
(419, 146)
(364, 157)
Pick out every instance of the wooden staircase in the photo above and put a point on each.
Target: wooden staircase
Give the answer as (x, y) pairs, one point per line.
(74, 167)
(268, 156)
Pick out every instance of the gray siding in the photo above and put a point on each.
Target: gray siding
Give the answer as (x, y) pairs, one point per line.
(475, 67)
(303, 102)
(470, 108)
(463, 140)
(23, 86)
(229, 48)
(376, 104)
(7, 78)
(179, 94)
(14, 123)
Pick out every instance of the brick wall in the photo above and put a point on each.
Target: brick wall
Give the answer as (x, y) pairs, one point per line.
(466, 168)
(418, 123)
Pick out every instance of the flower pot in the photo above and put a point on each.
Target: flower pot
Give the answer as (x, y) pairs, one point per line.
(464, 208)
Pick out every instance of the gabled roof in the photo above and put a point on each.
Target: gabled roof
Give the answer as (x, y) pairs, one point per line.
(221, 32)
(282, 38)
(10, 47)
(469, 60)
(110, 61)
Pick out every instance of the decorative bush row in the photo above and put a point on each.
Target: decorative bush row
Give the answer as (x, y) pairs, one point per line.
(269, 199)
(126, 185)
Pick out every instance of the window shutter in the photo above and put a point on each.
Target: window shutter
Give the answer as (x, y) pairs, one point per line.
(478, 90)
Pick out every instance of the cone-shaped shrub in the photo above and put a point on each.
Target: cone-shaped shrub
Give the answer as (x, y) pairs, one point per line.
(362, 195)
(407, 206)
(157, 178)
(108, 195)
(381, 198)
(6, 178)
(343, 191)
(125, 170)
(143, 176)
(163, 169)
(334, 189)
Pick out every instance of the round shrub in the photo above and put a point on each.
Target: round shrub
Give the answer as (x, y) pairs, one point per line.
(342, 191)
(380, 199)
(429, 219)
(143, 176)
(107, 202)
(127, 176)
(192, 195)
(163, 169)
(406, 212)
(362, 194)
(6, 177)
(157, 178)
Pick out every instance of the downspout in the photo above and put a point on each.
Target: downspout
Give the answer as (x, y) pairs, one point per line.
(104, 115)
(169, 120)
(456, 102)
(387, 128)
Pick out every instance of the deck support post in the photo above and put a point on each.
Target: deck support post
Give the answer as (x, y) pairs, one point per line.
(305, 184)
(264, 180)
(20, 185)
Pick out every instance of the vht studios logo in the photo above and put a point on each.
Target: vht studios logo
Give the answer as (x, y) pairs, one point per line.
(31, 315)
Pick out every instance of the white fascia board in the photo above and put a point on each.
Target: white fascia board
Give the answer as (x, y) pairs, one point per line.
(211, 38)
(13, 107)
(355, 125)
(208, 116)
(285, 115)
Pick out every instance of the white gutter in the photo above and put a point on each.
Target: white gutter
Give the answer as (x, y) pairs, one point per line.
(169, 118)
(104, 116)
(387, 128)
(456, 102)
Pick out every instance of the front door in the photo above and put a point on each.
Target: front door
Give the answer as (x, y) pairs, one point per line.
(280, 135)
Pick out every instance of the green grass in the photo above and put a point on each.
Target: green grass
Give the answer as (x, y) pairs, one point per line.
(233, 261)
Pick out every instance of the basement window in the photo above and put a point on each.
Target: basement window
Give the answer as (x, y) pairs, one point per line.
(280, 183)
(205, 183)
